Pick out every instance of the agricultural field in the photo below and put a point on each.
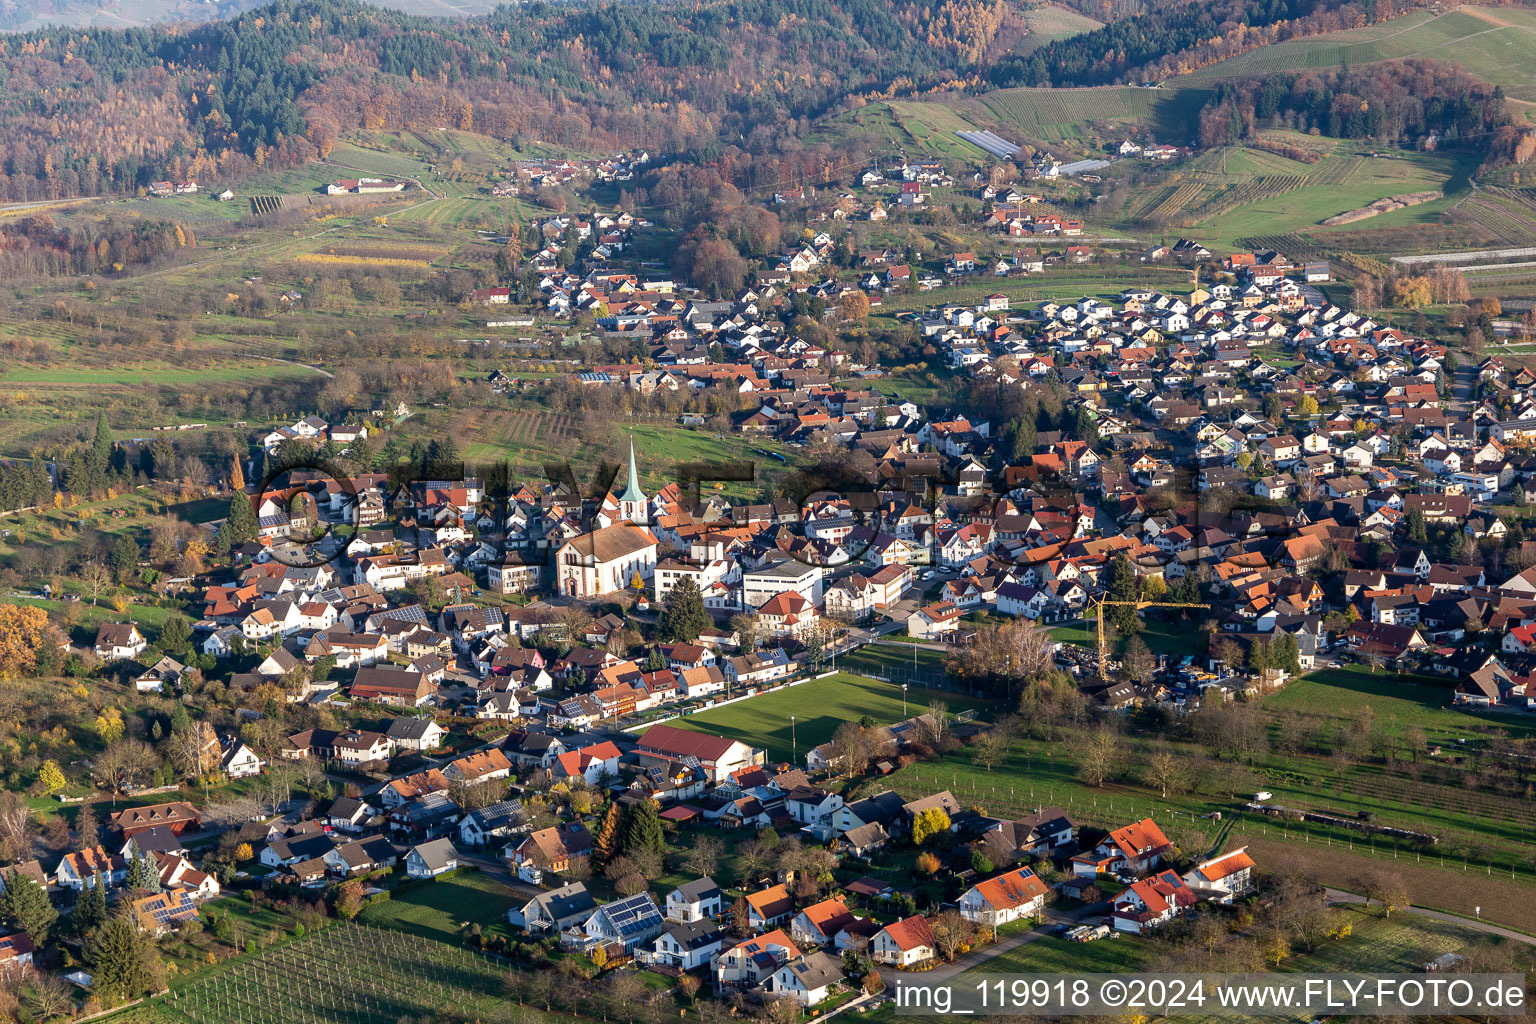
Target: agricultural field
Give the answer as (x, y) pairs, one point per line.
(1050, 22)
(1374, 944)
(344, 974)
(1094, 117)
(1104, 277)
(528, 438)
(1320, 198)
(920, 127)
(1493, 43)
(820, 706)
(1397, 702)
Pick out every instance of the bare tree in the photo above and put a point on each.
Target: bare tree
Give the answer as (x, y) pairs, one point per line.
(704, 858)
(1138, 661)
(1166, 771)
(852, 748)
(951, 931)
(15, 827)
(47, 996)
(195, 750)
(1102, 757)
(233, 812)
(123, 764)
(991, 747)
(311, 774)
(96, 577)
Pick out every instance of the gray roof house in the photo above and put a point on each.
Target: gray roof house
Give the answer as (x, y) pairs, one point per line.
(555, 910)
(430, 859)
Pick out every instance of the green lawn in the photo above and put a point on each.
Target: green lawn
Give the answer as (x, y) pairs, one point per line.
(1397, 702)
(1051, 955)
(441, 908)
(819, 708)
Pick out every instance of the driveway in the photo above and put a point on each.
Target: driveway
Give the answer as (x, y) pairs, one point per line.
(499, 869)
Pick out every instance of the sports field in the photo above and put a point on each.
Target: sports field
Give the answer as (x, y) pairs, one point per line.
(819, 708)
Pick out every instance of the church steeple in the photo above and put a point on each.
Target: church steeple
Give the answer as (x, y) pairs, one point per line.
(632, 492)
(632, 503)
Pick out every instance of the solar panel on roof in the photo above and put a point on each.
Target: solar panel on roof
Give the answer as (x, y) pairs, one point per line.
(633, 915)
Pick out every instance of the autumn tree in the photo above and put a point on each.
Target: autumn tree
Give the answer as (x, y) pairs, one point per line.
(711, 263)
(23, 629)
(51, 777)
(852, 305)
(930, 823)
(349, 899)
(605, 845)
(1412, 291)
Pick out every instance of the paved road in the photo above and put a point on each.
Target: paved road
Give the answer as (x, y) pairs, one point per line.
(1339, 896)
(1464, 384)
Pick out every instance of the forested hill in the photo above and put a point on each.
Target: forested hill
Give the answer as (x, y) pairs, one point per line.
(1180, 37)
(87, 112)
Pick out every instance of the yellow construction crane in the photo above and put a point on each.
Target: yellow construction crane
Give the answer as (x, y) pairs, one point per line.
(1138, 605)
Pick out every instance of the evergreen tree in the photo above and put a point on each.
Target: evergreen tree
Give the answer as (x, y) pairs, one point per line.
(91, 909)
(1019, 439)
(24, 905)
(1418, 532)
(684, 616)
(1122, 585)
(448, 457)
(360, 454)
(1086, 427)
(240, 526)
(176, 634)
(122, 961)
(1259, 657)
(390, 454)
(642, 829)
(125, 558)
(180, 720)
(142, 872)
(101, 446)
